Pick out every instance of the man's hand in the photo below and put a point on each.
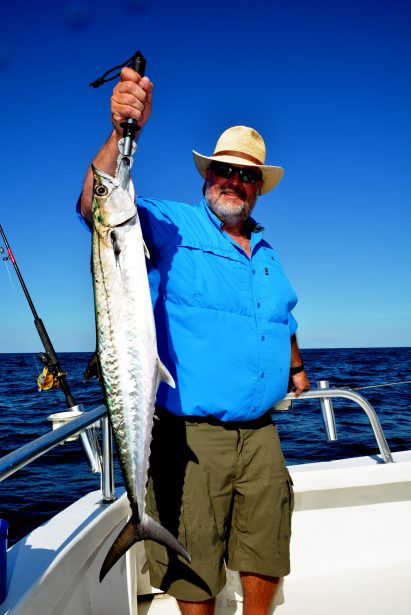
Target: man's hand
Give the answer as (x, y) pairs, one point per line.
(299, 383)
(132, 97)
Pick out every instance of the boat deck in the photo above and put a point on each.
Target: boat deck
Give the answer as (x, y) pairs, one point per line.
(350, 530)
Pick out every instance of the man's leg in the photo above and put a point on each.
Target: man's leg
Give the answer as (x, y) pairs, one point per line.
(197, 608)
(261, 520)
(258, 592)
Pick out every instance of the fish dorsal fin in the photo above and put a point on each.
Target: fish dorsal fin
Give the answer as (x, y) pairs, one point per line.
(163, 375)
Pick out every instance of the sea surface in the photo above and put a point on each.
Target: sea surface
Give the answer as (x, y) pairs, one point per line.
(49, 484)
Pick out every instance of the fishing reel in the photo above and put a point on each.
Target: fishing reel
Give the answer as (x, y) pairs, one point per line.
(49, 378)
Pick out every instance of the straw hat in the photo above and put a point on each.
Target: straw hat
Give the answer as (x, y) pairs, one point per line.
(242, 146)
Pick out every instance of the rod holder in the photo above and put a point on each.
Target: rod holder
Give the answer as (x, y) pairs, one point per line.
(58, 419)
(88, 437)
(327, 413)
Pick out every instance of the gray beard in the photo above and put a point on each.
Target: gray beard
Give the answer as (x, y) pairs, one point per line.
(229, 214)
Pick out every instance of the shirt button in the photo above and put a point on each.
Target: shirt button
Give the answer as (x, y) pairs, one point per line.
(253, 271)
(263, 337)
(258, 304)
(262, 375)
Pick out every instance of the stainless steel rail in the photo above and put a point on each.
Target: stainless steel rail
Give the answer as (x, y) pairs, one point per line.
(362, 402)
(9, 464)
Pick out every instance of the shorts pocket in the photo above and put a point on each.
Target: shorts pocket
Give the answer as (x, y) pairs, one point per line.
(287, 507)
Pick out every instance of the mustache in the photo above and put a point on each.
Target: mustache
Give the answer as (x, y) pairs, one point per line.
(237, 190)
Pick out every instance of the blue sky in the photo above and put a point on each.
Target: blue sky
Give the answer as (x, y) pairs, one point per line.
(327, 84)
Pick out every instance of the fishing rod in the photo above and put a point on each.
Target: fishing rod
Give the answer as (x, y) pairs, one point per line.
(50, 359)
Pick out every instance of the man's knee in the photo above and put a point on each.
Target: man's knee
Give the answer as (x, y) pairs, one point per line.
(206, 607)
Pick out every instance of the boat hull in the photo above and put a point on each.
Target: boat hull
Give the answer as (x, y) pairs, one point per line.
(350, 549)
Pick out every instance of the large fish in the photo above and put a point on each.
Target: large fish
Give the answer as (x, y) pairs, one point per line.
(127, 347)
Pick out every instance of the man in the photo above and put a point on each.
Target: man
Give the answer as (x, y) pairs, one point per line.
(222, 306)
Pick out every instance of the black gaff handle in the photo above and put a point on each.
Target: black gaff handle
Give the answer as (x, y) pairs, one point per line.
(130, 126)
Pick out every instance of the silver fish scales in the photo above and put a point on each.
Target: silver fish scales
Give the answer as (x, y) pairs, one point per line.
(127, 347)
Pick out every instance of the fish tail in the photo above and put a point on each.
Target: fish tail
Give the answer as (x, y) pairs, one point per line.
(136, 530)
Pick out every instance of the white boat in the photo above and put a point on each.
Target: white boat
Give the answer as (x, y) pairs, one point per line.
(350, 549)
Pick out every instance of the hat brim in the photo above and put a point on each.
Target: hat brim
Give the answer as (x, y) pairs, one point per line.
(271, 174)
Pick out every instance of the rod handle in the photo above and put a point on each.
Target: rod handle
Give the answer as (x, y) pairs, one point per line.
(130, 126)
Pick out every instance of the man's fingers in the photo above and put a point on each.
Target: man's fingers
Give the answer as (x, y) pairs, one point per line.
(131, 98)
(300, 383)
(128, 74)
(121, 113)
(128, 92)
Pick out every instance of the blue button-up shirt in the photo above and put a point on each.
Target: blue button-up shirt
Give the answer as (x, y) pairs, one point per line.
(223, 319)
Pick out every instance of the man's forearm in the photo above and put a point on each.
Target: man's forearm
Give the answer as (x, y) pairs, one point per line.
(298, 378)
(296, 359)
(106, 160)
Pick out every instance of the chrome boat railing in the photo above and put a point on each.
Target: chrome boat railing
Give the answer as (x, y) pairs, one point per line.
(14, 461)
(326, 394)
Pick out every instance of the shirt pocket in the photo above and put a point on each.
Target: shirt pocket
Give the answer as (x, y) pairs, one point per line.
(274, 289)
(209, 277)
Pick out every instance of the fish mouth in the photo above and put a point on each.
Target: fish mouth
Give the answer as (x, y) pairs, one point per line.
(100, 173)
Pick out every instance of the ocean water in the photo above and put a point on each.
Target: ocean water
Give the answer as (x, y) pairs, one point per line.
(51, 483)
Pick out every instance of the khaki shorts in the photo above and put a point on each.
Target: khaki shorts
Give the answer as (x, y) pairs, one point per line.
(225, 492)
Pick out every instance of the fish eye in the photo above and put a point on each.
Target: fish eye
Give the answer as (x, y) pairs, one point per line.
(101, 190)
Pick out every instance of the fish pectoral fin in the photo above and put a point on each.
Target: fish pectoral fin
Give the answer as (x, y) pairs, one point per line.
(146, 252)
(136, 530)
(164, 375)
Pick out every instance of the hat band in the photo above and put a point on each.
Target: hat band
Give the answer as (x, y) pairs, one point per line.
(229, 152)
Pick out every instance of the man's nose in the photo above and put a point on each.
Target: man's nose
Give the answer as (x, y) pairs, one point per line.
(235, 179)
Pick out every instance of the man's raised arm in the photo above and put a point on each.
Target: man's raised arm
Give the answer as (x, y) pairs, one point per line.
(132, 97)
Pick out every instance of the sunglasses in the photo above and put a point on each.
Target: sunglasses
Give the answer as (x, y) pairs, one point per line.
(247, 176)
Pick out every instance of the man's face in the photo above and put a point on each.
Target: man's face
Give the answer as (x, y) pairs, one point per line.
(232, 198)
